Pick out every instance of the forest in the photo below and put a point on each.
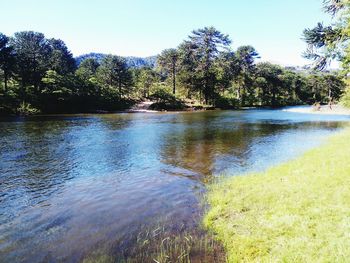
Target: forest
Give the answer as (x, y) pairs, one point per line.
(40, 75)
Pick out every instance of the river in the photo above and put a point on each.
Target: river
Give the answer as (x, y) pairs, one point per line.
(70, 184)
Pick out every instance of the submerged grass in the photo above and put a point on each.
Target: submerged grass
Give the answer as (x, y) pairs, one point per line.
(161, 246)
(295, 212)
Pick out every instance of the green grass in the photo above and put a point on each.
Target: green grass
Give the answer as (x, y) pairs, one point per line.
(296, 212)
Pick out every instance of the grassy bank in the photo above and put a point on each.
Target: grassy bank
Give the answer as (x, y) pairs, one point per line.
(295, 212)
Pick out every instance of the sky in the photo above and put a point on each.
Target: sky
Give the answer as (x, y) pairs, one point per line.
(146, 27)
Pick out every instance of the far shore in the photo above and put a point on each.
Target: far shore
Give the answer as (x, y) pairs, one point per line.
(303, 109)
(324, 109)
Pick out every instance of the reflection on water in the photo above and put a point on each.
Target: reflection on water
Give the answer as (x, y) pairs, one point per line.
(70, 184)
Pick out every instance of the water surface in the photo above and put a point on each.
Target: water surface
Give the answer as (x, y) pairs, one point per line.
(71, 184)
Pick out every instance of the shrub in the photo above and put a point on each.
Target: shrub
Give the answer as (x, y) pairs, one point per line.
(226, 103)
(345, 99)
(27, 109)
(166, 101)
(162, 95)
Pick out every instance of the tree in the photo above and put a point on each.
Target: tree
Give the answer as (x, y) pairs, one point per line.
(226, 70)
(61, 59)
(246, 56)
(145, 79)
(334, 86)
(87, 68)
(43, 75)
(207, 43)
(289, 80)
(114, 73)
(321, 48)
(57, 89)
(187, 74)
(7, 59)
(33, 58)
(269, 75)
(168, 61)
(326, 43)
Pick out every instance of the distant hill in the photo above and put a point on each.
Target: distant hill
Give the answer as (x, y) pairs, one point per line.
(133, 62)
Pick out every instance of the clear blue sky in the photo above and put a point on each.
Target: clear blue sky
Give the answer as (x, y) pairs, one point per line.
(145, 27)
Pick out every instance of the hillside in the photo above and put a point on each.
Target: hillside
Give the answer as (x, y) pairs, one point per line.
(133, 62)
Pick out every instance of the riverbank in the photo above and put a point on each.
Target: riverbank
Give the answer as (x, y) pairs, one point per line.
(324, 109)
(295, 212)
(140, 107)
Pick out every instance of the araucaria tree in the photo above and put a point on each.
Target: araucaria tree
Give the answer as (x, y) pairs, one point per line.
(326, 43)
(33, 59)
(168, 61)
(206, 45)
(7, 59)
(245, 57)
(114, 73)
(40, 74)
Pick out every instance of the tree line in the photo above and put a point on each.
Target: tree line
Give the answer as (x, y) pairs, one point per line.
(41, 75)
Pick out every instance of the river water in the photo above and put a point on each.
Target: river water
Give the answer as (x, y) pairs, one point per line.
(70, 184)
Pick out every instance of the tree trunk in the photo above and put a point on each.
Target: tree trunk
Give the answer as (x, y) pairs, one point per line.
(22, 90)
(243, 96)
(206, 97)
(5, 81)
(274, 98)
(206, 90)
(174, 79)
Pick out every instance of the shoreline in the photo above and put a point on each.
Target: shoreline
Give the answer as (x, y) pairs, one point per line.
(302, 109)
(323, 110)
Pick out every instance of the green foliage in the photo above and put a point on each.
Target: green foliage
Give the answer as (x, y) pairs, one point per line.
(199, 55)
(226, 103)
(61, 59)
(326, 43)
(87, 69)
(8, 100)
(7, 59)
(345, 99)
(168, 62)
(320, 42)
(270, 83)
(165, 100)
(145, 80)
(42, 73)
(161, 95)
(27, 109)
(244, 69)
(57, 92)
(33, 56)
(295, 212)
(114, 73)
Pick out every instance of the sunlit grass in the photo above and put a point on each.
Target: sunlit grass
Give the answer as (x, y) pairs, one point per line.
(295, 212)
